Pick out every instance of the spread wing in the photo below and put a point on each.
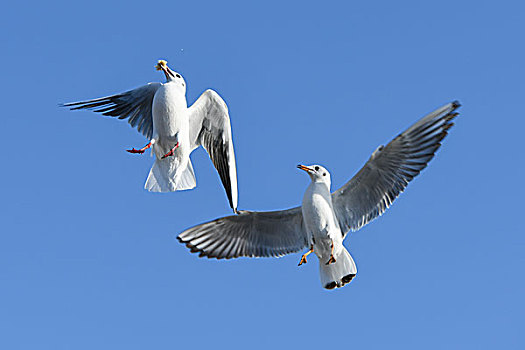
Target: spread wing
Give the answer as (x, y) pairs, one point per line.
(135, 105)
(389, 170)
(250, 234)
(210, 128)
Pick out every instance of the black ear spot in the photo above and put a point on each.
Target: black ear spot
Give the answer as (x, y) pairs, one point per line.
(177, 75)
(324, 174)
(316, 168)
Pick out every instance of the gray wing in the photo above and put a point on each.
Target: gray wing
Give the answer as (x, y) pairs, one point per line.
(250, 234)
(135, 105)
(389, 170)
(210, 127)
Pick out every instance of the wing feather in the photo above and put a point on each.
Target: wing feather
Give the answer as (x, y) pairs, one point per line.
(249, 234)
(134, 105)
(210, 127)
(389, 170)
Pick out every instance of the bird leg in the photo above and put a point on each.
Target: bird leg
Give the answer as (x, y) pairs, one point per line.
(170, 153)
(140, 151)
(303, 258)
(332, 259)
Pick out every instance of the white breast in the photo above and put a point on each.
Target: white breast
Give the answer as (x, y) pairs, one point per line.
(169, 111)
(317, 210)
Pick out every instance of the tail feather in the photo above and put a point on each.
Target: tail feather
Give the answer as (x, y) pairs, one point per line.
(339, 273)
(167, 176)
(186, 180)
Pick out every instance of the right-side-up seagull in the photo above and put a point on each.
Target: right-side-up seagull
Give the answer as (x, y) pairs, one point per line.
(324, 218)
(160, 112)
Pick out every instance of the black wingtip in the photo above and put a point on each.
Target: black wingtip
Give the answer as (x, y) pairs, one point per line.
(348, 278)
(193, 249)
(228, 189)
(330, 285)
(456, 104)
(344, 281)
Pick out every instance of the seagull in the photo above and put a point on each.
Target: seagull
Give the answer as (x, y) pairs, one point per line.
(160, 112)
(323, 220)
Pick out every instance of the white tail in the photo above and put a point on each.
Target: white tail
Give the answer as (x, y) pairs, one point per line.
(339, 273)
(167, 176)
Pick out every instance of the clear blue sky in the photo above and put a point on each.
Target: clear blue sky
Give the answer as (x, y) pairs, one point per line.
(89, 260)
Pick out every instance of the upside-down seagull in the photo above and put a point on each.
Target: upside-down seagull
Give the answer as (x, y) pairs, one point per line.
(324, 218)
(160, 112)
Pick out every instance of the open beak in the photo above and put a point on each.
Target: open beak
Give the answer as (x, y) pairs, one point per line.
(304, 167)
(163, 66)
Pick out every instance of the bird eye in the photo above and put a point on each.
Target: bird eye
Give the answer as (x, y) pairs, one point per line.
(316, 168)
(324, 174)
(178, 75)
(182, 84)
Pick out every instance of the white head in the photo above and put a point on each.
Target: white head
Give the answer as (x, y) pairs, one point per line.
(317, 173)
(171, 76)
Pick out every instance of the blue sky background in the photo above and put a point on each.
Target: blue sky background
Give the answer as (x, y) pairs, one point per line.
(89, 260)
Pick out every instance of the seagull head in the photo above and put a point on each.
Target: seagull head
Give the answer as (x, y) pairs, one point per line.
(317, 173)
(171, 76)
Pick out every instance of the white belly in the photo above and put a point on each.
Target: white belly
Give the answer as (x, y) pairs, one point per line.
(320, 221)
(169, 111)
(170, 120)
